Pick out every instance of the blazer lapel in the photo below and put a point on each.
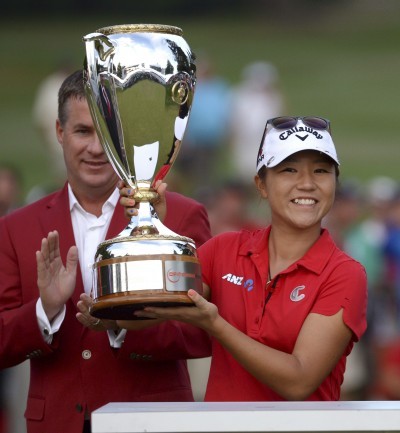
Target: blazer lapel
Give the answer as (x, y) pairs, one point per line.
(118, 222)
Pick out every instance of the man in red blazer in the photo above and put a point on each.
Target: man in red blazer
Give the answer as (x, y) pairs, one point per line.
(73, 369)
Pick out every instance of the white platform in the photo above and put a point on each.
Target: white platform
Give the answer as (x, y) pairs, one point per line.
(365, 416)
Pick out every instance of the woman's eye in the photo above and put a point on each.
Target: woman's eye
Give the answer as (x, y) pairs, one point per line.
(323, 170)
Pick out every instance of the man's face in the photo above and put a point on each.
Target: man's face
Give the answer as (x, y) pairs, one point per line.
(87, 164)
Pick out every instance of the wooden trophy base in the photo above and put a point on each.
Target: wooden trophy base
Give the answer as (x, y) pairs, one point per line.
(121, 306)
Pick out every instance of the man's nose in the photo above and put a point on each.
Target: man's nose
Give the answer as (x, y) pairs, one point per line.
(95, 145)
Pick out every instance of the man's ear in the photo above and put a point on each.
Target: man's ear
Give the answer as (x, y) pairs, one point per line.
(261, 186)
(59, 132)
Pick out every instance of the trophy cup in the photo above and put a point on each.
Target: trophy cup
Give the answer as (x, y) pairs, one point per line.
(139, 80)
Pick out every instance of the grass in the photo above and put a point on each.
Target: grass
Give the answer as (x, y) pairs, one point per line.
(343, 66)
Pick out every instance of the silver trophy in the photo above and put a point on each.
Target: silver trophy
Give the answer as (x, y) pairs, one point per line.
(139, 81)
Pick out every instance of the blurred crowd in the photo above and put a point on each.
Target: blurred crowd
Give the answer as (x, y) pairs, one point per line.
(13, 381)
(226, 125)
(216, 166)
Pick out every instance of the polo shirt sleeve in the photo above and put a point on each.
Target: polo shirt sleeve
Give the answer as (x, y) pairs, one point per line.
(213, 253)
(346, 287)
(206, 256)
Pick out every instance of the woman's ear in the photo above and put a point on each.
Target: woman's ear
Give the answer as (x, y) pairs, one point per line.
(261, 186)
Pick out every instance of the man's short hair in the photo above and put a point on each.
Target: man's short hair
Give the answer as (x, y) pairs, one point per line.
(72, 87)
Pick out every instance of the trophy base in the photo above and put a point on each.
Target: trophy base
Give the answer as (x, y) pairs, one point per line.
(122, 306)
(133, 272)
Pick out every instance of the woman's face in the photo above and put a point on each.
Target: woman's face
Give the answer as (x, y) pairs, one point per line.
(300, 190)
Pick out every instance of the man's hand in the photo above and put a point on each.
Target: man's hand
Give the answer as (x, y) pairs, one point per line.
(56, 283)
(88, 320)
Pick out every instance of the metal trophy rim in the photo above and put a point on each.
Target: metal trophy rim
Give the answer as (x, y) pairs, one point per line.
(139, 237)
(137, 28)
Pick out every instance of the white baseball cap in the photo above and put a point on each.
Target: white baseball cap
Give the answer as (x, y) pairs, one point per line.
(294, 134)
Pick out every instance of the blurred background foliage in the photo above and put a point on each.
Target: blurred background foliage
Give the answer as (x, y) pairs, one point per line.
(336, 58)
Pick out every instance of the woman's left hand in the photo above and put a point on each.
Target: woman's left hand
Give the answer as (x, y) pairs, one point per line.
(203, 314)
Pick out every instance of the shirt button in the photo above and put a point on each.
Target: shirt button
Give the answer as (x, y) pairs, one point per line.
(86, 354)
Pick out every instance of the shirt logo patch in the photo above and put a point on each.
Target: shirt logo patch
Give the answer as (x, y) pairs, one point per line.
(238, 281)
(248, 284)
(295, 296)
(233, 279)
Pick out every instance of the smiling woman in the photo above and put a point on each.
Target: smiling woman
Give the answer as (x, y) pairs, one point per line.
(286, 338)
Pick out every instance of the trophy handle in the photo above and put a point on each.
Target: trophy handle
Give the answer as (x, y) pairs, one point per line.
(101, 44)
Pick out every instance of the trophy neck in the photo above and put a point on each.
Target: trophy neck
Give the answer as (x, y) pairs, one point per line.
(145, 193)
(143, 225)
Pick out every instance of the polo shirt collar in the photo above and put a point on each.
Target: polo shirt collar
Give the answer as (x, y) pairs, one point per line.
(319, 254)
(314, 260)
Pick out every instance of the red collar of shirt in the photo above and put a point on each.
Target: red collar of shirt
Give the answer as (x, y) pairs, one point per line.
(314, 260)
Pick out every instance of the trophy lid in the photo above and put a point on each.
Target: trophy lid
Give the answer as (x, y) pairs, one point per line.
(135, 28)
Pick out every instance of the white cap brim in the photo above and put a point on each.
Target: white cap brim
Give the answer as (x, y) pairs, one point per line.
(278, 144)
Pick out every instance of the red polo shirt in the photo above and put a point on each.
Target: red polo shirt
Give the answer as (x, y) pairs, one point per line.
(324, 280)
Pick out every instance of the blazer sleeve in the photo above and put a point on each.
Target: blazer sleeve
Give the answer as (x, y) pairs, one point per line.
(187, 217)
(21, 338)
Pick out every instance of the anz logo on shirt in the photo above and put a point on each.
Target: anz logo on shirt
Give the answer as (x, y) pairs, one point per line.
(239, 281)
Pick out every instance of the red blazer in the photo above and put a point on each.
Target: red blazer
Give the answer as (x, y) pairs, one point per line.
(79, 371)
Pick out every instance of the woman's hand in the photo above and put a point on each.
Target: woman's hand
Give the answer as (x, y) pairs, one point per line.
(126, 199)
(131, 206)
(203, 314)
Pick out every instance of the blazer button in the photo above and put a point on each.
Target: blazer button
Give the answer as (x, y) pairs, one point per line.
(86, 354)
(79, 407)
